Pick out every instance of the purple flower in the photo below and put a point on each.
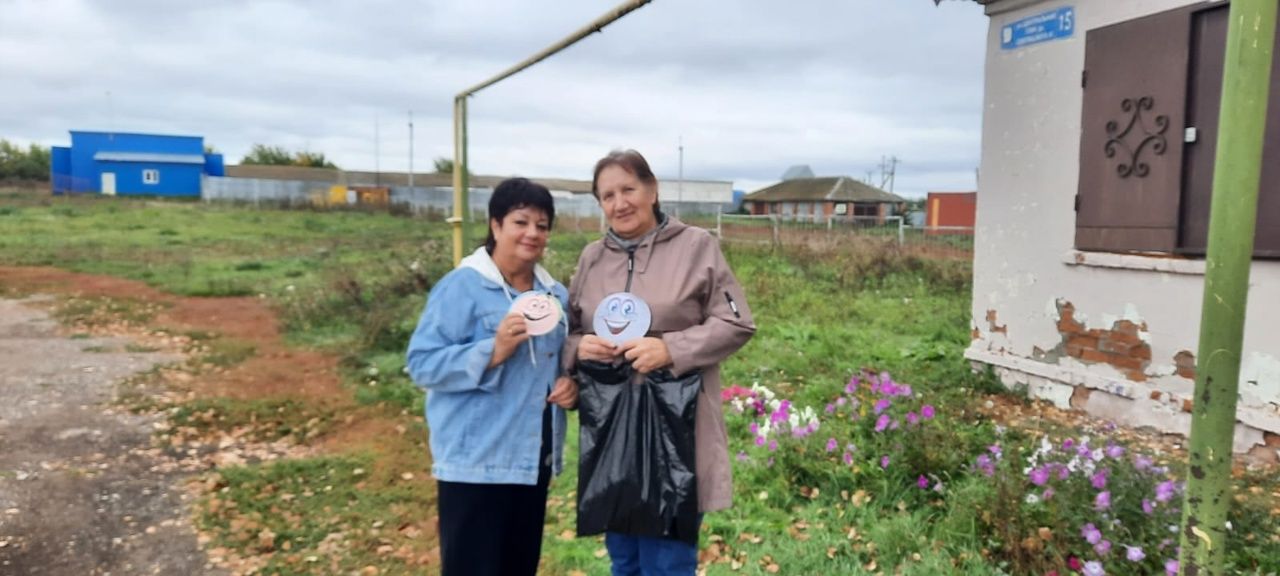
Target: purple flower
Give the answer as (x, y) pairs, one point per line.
(882, 422)
(1142, 463)
(755, 428)
(1091, 533)
(1048, 493)
(912, 419)
(985, 465)
(905, 390)
(893, 425)
(1093, 568)
(927, 411)
(759, 440)
(840, 401)
(1099, 479)
(995, 450)
(848, 459)
(884, 461)
(852, 386)
(922, 482)
(1063, 472)
(1148, 506)
(1134, 553)
(1039, 475)
(742, 456)
(773, 445)
(831, 408)
(882, 405)
(832, 445)
(1068, 444)
(1115, 451)
(1102, 501)
(1171, 567)
(1165, 490)
(1102, 548)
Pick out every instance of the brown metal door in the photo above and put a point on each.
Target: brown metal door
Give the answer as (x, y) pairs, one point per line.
(1135, 88)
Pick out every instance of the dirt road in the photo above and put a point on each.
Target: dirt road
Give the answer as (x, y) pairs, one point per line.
(82, 491)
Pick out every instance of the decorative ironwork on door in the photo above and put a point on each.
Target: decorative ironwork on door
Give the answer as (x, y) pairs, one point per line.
(1119, 141)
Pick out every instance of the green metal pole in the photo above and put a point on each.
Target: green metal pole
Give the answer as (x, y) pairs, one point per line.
(461, 179)
(1233, 215)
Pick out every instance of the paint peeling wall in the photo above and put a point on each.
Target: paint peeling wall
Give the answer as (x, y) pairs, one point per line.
(1115, 335)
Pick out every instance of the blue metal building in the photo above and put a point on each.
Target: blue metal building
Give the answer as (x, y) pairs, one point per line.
(116, 163)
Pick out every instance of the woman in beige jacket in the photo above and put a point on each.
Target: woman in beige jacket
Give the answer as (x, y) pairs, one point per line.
(699, 317)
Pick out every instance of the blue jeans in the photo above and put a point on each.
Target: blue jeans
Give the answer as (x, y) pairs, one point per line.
(646, 556)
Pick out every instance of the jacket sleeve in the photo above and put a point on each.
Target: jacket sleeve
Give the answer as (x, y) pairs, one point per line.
(443, 355)
(727, 324)
(569, 354)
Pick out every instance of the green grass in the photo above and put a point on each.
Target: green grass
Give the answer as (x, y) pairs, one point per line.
(353, 283)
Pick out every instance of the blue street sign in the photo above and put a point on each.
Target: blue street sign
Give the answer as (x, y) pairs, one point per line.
(1051, 25)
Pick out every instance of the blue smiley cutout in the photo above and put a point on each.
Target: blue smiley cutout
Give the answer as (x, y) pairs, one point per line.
(621, 317)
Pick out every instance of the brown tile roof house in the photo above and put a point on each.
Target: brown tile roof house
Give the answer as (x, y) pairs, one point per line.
(833, 189)
(822, 197)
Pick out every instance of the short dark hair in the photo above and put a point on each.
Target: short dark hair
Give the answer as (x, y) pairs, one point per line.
(516, 193)
(632, 162)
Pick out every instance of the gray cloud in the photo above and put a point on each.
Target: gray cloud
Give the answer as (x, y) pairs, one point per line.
(751, 87)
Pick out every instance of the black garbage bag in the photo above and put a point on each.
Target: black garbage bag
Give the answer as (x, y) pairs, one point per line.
(636, 452)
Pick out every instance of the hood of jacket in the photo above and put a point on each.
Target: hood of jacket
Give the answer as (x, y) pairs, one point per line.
(481, 262)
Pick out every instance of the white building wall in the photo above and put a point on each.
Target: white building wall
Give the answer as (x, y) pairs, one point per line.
(695, 191)
(1026, 269)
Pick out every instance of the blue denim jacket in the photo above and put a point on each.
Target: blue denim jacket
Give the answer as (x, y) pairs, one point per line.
(486, 423)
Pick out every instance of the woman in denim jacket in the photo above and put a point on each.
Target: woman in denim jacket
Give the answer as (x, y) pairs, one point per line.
(495, 405)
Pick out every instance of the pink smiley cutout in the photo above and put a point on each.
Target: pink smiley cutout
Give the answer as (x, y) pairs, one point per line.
(541, 312)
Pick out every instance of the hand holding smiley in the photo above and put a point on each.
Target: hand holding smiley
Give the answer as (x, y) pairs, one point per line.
(541, 312)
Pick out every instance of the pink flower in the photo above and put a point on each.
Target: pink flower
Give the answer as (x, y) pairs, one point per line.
(882, 405)
(1147, 506)
(1134, 553)
(759, 440)
(922, 482)
(1102, 548)
(1074, 563)
(1099, 480)
(832, 445)
(1039, 476)
(912, 419)
(1102, 501)
(927, 411)
(1165, 490)
(882, 422)
(884, 461)
(848, 459)
(773, 445)
(1091, 534)
(1115, 451)
(742, 456)
(1093, 568)
(1171, 567)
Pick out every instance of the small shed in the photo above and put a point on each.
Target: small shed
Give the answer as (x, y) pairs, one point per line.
(951, 212)
(820, 198)
(118, 163)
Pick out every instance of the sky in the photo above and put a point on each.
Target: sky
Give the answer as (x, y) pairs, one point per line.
(749, 87)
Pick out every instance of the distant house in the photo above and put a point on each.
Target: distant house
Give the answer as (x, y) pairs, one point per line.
(951, 212)
(819, 198)
(116, 163)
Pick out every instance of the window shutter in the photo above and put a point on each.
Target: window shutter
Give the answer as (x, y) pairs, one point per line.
(1208, 53)
(1135, 87)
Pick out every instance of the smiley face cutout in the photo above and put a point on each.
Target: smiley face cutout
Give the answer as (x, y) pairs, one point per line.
(622, 317)
(541, 312)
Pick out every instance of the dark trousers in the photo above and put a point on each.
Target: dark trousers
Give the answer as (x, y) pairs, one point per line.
(494, 529)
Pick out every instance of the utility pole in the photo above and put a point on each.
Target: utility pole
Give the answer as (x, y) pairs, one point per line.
(680, 180)
(377, 151)
(1237, 172)
(411, 150)
(888, 168)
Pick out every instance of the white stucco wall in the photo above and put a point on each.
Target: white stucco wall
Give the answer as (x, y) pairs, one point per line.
(674, 190)
(1025, 264)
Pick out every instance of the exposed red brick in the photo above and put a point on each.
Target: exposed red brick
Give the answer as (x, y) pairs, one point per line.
(1187, 405)
(1136, 375)
(991, 320)
(1067, 323)
(975, 334)
(1113, 345)
(1155, 395)
(1092, 355)
(1186, 363)
(1124, 336)
(1124, 362)
(1080, 397)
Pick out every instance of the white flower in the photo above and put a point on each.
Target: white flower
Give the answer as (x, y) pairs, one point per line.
(1032, 499)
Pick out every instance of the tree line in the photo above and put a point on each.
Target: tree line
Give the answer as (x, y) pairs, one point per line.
(18, 163)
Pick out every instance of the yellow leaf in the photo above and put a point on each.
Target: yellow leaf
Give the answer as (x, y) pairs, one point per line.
(567, 535)
(601, 553)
